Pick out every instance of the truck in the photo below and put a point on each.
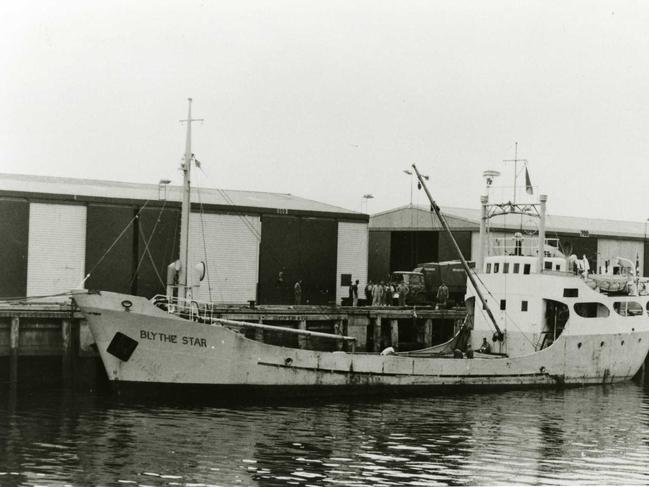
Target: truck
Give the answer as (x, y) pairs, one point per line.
(424, 280)
(451, 273)
(415, 281)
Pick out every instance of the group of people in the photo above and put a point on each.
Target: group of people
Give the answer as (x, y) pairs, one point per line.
(385, 293)
(380, 294)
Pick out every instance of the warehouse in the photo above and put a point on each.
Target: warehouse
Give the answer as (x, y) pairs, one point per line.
(402, 237)
(122, 236)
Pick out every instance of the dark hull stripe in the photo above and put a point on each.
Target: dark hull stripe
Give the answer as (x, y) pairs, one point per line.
(393, 374)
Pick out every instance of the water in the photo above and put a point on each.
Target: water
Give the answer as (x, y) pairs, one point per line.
(593, 435)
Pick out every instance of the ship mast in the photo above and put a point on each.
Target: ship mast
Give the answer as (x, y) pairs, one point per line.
(435, 208)
(184, 283)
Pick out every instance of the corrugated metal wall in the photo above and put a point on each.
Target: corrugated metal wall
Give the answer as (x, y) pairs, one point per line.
(14, 231)
(57, 248)
(115, 271)
(352, 256)
(475, 245)
(609, 249)
(229, 244)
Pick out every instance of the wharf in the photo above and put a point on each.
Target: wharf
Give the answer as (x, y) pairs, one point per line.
(55, 336)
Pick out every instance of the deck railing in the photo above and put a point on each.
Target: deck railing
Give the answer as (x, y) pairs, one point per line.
(204, 312)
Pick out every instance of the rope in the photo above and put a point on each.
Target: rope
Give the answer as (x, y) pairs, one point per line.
(147, 251)
(477, 276)
(507, 315)
(43, 296)
(207, 266)
(137, 215)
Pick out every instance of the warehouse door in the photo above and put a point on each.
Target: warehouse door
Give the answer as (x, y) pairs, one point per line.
(407, 249)
(158, 236)
(297, 248)
(56, 254)
(352, 256)
(14, 228)
(229, 245)
(109, 248)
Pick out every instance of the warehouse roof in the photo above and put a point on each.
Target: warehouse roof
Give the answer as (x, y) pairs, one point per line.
(20, 183)
(420, 218)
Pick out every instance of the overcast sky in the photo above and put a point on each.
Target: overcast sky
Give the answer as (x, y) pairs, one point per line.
(330, 100)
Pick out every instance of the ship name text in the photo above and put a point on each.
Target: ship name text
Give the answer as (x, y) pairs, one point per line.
(175, 339)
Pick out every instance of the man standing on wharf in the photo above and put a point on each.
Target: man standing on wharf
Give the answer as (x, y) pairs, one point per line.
(353, 293)
(298, 292)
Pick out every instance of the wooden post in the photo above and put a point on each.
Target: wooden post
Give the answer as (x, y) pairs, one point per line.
(14, 341)
(66, 336)
(302, 340)
(394, 334)
(339, 330)
(357, 326)
(428, 332)
(259, 333)
(377, 334)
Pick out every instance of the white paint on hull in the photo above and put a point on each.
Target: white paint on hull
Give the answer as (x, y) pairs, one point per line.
(228, 358)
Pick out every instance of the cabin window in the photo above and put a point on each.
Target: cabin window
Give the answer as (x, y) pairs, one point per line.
(488, 267)
(496, 267)
(517, 268)
(523, 305)
(506, 268)
(591, 310)
(557, 267)
(571, 292)
(627, 308)
(503, 304)
(526, 269)
(547, 265)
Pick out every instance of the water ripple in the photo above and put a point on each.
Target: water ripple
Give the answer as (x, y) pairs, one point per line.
(590, 436)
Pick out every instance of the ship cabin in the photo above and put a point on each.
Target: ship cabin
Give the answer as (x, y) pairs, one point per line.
(533, 306)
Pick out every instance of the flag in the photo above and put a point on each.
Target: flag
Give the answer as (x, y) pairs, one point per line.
(528, 183)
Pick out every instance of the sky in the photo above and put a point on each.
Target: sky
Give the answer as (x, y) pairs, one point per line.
(331, 100)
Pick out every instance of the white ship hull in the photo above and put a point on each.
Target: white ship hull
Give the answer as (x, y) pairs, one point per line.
(173, 351)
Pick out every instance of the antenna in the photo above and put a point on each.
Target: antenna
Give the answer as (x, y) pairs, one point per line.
(186, 166)
(515, 160)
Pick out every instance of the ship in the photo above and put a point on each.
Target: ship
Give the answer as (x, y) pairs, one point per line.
(534, 319)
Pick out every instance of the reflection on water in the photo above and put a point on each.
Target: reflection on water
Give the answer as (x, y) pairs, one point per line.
(594, 435)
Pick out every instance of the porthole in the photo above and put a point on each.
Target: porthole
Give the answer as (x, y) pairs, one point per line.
(639, 340)
(622, 342)
(601, 344)
(579, 345)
